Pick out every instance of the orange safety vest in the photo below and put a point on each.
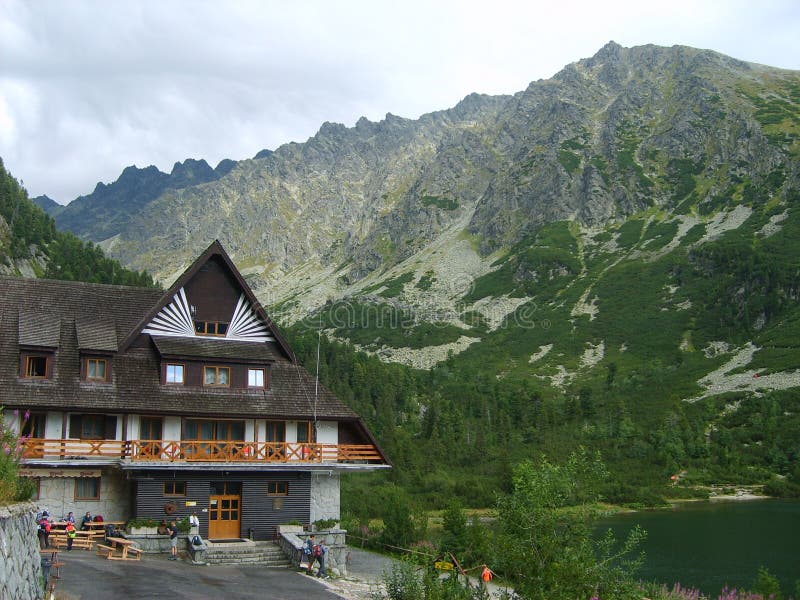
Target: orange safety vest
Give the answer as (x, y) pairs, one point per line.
(486, 574)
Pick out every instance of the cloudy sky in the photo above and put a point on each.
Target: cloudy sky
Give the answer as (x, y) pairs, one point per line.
(89, 87)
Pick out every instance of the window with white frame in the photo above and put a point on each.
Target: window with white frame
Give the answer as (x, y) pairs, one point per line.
(174, 373)
(256, 378)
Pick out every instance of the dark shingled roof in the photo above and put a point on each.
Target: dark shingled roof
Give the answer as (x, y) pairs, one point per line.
(96, 334)
(96, 317)
(38, 329)
(214, 348)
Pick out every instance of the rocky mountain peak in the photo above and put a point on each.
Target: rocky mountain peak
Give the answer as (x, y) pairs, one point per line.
(611, 51)
(608, 137)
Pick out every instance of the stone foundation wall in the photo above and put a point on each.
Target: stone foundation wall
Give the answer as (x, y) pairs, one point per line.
(150, 543)
(325, 498)
(20, 562)
(57, 495)
(335, 539)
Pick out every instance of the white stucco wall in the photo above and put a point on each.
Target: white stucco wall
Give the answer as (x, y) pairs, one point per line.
(52, 427)
(172, 428)
(291, 431)
(327, 432)
(133, 427)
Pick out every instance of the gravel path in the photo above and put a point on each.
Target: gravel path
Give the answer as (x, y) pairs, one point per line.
(365, 573)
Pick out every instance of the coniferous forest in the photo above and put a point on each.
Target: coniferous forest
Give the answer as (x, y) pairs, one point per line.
(28, 234)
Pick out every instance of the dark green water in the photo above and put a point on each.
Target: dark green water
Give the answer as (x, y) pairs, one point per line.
(707, 545)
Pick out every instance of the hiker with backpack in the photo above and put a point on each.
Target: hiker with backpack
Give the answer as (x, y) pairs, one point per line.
(308, 552)
(314, 551)
(321, 554)
(43, 530)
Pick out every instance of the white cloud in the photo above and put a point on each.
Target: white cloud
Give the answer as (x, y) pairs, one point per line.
(89, 87)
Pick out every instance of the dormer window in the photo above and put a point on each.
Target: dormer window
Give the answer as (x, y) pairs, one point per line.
(217, 376)
(256, 378)
(96, 369)
(211, 328)
(174, 373)
(35, 366)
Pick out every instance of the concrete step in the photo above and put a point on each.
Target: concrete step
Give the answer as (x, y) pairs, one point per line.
(266, 554)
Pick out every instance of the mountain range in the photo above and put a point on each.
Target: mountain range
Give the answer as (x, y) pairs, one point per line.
(608, 258)
(462, 220)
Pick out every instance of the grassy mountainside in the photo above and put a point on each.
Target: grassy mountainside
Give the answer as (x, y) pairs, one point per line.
(31, 246)
(669, 342)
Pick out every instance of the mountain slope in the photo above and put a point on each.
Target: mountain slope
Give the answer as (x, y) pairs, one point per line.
(31, 246)
(109, 209)
(432, 236)
(605, 138)
(607, 258)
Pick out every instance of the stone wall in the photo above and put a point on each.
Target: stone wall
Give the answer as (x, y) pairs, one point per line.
(57, 495)
(292, 541)
(20, 562)
(325, 502)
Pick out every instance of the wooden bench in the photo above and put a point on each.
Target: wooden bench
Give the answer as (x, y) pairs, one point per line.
(136, 552)
(60, 541)
(105, 550)
(82, 542)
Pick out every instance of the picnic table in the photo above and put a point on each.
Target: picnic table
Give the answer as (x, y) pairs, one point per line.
(125, 547)
(83, 539)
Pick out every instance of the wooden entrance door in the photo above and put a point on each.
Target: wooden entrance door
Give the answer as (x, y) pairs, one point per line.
(224, 516)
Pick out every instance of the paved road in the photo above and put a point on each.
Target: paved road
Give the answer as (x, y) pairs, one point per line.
(86, 576)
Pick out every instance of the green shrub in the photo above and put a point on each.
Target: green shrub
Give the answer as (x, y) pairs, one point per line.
(141, 522)
(323, 524)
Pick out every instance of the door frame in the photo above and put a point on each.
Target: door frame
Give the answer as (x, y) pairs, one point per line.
(218, 527)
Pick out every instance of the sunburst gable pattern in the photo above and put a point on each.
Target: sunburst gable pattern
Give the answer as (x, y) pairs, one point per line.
(175, 319)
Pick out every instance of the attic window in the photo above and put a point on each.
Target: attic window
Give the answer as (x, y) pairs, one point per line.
(35, 367)
(96, 369)
(217, 376)
(174, 373)
(211, 328)
(256, 378)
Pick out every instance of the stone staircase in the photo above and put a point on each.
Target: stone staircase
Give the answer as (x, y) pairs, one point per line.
(265, 554)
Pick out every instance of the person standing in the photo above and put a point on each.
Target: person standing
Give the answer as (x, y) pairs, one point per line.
(321, 552)
(308, 550)
(71, 533)
(173, 540)
(43, 530)
(194, 524)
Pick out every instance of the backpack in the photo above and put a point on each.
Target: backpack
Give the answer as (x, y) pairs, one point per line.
(317, 550)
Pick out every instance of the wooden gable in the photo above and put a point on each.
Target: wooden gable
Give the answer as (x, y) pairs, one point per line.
(211, 291)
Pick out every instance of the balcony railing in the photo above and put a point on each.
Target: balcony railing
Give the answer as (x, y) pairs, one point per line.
(202, 451)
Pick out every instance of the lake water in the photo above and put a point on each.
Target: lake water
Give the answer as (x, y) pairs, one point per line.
(707, 545)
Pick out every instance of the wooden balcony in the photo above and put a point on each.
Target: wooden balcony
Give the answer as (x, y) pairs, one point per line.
(202, 451)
